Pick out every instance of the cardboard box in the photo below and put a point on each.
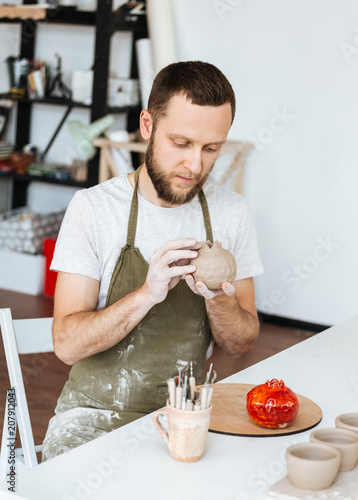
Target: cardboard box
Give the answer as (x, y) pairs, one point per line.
(21, 272)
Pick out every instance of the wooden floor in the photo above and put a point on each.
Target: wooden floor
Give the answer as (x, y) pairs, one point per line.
(45, 375)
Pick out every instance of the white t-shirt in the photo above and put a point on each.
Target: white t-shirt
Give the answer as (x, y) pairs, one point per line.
(94, 229)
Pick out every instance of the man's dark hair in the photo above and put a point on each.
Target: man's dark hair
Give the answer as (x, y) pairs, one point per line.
(202, 83)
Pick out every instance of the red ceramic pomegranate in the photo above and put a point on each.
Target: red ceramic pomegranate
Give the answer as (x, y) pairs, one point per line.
(272, 405)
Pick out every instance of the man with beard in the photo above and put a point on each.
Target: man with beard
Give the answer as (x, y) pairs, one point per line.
(124, 315)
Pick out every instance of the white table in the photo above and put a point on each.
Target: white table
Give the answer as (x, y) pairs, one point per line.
(133, 461)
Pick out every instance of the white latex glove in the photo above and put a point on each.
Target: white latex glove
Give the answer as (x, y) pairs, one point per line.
(168, 265)
(199, 288)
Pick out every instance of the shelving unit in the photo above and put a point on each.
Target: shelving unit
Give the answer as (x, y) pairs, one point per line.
(106, 23)
(57, 101)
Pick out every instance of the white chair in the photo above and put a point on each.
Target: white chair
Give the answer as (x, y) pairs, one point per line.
(23, 336)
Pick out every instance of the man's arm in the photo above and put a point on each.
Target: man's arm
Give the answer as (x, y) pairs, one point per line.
(232, 314)
(79, 331)
(233, 318)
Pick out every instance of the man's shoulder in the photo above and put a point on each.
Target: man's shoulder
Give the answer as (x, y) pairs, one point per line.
(218, 194)
(116, 186)
(113, 184)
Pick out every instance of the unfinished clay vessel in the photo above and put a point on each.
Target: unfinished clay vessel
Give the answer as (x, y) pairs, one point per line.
(214, 265)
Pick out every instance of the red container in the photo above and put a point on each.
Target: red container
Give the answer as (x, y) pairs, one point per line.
(50, 276)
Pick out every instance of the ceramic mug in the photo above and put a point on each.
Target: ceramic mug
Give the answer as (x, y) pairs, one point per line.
(344, 441)
(186, 433)
(348, 421)
(312, 466)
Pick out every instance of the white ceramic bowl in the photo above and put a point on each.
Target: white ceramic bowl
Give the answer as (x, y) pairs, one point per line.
(312, 466)
(344, 441)
(348, 421)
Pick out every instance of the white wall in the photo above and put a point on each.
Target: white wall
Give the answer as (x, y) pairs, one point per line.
(288, 58)
(294, 67)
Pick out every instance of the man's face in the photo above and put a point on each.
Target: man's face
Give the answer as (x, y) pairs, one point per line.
(183, 148)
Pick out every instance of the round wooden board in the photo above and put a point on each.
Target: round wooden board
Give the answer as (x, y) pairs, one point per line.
(229, 414)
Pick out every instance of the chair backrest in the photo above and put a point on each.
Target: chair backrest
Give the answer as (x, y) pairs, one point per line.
(21, 337)
(33, 335)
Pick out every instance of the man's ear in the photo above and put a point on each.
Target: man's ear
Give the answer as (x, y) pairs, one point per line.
(145, 124)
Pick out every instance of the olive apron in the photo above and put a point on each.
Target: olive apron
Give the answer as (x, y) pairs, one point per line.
(130, 379)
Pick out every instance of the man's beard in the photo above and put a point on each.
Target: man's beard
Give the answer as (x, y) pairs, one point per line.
(161, 180)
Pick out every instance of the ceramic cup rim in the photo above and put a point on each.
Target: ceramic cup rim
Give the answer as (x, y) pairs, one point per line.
(336, 430)
(310, 445)
(351, 415)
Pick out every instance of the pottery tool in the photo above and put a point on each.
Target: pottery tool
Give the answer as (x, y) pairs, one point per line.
(210, 395)
(209, 373)
(186, 391)
(183, 403)
(185, 386)
(197, 405)
(211, 389)
(183, 393)
(171, 389)
(196, 396)
(178, 397)
(205, 389)
(179, 391)
(204, 396)
(191, 381)
(189, 404)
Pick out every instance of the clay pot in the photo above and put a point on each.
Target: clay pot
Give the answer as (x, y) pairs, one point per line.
(214, 265)
(20, 161)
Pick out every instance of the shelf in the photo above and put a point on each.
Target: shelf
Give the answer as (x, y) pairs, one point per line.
(49, 180)
(124, 109)
(19, 13)
(70, 16)
(6, 175)
(26, 178)
(58, 101)
(60, 15)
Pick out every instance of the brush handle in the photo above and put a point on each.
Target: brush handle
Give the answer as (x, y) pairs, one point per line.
(178, 397)
(192, 385)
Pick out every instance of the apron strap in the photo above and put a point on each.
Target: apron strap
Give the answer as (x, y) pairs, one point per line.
(133, 215)
(206, 215)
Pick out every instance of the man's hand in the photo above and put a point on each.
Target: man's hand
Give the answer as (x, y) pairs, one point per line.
(168, 264)
(200, 288)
